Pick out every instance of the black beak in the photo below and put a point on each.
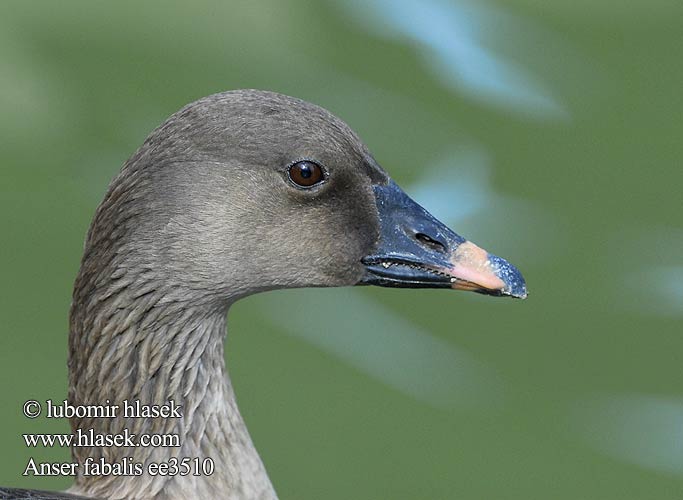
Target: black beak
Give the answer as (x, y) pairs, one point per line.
(415, 250)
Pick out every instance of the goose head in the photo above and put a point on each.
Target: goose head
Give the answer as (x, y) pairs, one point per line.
(237, 193)
(247, 191)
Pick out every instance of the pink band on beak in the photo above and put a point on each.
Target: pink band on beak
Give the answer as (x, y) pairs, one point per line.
(471, 269)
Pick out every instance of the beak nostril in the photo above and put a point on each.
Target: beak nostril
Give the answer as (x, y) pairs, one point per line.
(430, 242)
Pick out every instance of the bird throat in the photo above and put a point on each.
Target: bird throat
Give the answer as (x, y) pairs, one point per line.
(162, 363)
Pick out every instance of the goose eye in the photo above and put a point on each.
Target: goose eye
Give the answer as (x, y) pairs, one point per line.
(306, 173)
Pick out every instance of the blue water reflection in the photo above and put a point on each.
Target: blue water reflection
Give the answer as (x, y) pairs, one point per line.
(454, 41)
(660, 289)
(651, 285)
(640, 429)
(385, 346)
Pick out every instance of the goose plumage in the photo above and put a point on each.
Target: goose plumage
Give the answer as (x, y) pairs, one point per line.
(237, 193)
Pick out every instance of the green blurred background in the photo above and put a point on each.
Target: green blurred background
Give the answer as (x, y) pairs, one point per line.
(548, 132)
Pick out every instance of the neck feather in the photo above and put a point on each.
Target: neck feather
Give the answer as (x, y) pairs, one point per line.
(141, 346)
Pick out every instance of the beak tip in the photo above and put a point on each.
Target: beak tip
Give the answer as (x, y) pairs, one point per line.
(515, 285)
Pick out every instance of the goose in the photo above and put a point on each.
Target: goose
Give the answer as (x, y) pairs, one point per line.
(237, 193)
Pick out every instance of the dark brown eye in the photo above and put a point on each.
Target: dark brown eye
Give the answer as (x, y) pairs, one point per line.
(306, 173)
